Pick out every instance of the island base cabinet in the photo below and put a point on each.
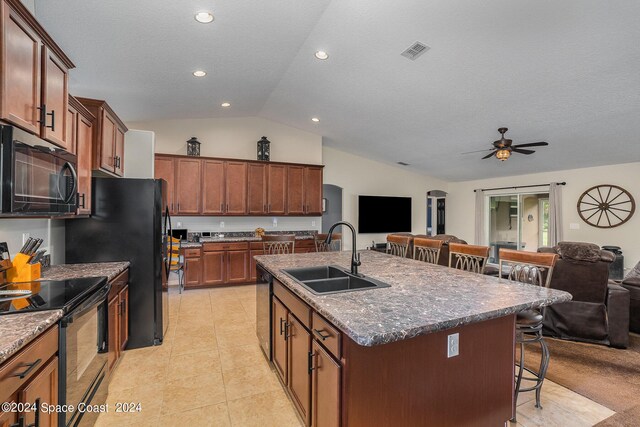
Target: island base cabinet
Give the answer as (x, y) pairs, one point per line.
(279, 347)
(299, 367)
(325, 388)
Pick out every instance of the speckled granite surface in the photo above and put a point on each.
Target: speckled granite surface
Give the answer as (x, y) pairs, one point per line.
(92, 269)
(17, 330)
(423, 298)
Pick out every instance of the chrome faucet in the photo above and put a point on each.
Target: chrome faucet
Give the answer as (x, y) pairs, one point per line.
(355, 256)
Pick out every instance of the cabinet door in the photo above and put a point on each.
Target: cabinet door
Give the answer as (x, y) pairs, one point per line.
(237, 266)
(192, 272)
(123, 335)
(113, 314)
(236, 188)
(214, 267)
(55, 99)
(213, 187)
(9, 419)
(252, 264)
(256, 189)
(295, 190)
(164, 168)
(299, 375)
(188, 177)
(20, 90)
(279, 320)
(84, 145)
(313, 191)
(277, 189)
(107, 143)
(43, 388)
(71, 133)
(119, 152)
(325, 389)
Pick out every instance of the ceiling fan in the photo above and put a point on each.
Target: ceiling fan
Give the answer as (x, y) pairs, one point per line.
(502, 148)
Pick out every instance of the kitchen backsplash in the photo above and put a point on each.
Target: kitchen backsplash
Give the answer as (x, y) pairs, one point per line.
(197, 235)
(227, 225)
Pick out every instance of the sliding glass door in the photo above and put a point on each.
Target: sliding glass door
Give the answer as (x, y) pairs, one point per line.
(517, 221)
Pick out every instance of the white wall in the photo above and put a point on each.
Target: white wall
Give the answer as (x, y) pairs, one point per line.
(461, 205)
(235, 138)
(360, 176)
(52, 231)
(139, 147)
(248, 223)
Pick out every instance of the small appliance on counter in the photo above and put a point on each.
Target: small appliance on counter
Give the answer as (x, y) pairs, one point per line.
(179, 233)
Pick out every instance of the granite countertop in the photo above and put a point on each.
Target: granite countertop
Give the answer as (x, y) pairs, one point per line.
(230, 240)
(423, 298)
(17, 330)
(77, 271)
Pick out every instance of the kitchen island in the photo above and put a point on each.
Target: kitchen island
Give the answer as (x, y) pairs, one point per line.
(380, 356)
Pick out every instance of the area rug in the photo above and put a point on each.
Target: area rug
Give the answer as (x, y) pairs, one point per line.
(608, 376)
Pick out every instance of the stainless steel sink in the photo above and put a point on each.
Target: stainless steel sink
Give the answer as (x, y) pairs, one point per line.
(330, 279)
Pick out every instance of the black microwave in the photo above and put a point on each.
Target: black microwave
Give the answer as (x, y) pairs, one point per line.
(38, 178)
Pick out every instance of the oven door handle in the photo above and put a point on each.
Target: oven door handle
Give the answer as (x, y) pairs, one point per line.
(95, 300)
(72, 193)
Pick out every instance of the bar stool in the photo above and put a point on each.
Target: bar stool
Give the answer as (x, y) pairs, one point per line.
(176, 265)
(472, 258)
(427, 250)
(334, 246)
(278, 244)
(398, 245)
(534, 268)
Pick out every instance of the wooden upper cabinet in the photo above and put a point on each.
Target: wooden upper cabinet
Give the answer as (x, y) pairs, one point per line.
(164, 168)
(257, 189)
(295, 190)
(236, 188)
(55, 96)
(33, 76)
(108, 138)
(313, 190)
(188, 176)
(213, 187)
(82, 121)
(277, 189)
(72, 129)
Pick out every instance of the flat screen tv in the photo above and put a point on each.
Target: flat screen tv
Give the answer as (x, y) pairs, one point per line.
(384, 214)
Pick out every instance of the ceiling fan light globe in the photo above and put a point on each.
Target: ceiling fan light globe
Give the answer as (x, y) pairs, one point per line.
(503, 155)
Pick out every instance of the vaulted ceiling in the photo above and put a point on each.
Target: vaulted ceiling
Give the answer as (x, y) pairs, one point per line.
(566, 72)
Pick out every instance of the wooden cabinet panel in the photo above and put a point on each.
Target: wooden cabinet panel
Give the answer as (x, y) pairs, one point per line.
(84, 131)
(164, 168)
(213, 187)
(192, 272)
(253, 264)
(279, 349)
(295, 190)
(119, 152)
(256, 189)
(188, 176)
(107, 139)
(325, 389)
(299, 378)
(237, 266)
(123, 305)
(42, 389)
(277, 189)
(313, 190)
(9, 419)
(214, 268)
(113, 315)
(55, 98)
(20, 71)
(71, 133)
(236, 188)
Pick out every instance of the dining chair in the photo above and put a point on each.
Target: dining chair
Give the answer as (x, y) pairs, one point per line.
(533, 268)
(398, 244)
(427, 250)
(334, 246)
(278, 244)
(174, 247)
(472, 258)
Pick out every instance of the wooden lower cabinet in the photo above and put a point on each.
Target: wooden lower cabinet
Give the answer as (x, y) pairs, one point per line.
(325, 388)
(253, 264)
(114, 348)
(193, 272)
(279, 315)
(9, 419)
(237, 266)
(123, 305)
(118, 319)
(42, 389)
(299, 347)
(213, 267)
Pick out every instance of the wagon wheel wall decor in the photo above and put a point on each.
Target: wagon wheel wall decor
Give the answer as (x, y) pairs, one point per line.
(606, 206)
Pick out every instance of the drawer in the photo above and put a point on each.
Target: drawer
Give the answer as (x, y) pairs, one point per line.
(299, 308)
(327, 335)
(305, 243)
(256, 245)
(231, 246)
(119, 282)
(27, 362)
(192, 253)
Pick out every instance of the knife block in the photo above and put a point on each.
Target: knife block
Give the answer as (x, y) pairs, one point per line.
(22, 271)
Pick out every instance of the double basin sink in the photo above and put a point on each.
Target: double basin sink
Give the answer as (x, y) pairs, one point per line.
(331, 279)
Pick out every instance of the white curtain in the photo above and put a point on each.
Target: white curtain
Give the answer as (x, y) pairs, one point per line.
(480, 238)
(555, 214)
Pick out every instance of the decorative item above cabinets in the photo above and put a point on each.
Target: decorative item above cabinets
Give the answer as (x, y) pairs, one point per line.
(193, 147)
(264, 151)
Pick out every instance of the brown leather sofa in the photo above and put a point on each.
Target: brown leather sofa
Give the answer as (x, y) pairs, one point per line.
(599, 310)
(631, 282)
(444, 251)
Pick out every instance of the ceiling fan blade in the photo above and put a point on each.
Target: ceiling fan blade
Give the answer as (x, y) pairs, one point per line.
(531, 144)
(490, 154)
(521, 151)
(478, 151)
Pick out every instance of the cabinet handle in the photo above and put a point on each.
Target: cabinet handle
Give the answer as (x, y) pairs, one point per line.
(83, 199)
(227, 211)
(287, 325)
(20, 423)
(41, 116)
(30, 367)
(281, 326)
(321, 335)
(53, 120)
(269, 210)
(171, 206)
(310, 362)
(36, 423)
(178, 206)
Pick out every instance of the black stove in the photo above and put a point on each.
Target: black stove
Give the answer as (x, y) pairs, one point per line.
(63, 295)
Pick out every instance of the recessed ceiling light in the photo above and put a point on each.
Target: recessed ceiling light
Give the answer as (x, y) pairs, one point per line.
(315, 119)
(199, 73)
(225, 104)
(321, 54)
(204, 17)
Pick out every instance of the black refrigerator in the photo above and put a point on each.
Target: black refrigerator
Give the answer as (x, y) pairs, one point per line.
(129, 222)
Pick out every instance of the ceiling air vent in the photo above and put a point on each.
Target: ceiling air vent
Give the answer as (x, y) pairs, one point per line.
(415, 50)
(403, 163)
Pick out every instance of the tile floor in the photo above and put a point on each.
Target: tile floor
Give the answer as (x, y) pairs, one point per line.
(210, 371)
